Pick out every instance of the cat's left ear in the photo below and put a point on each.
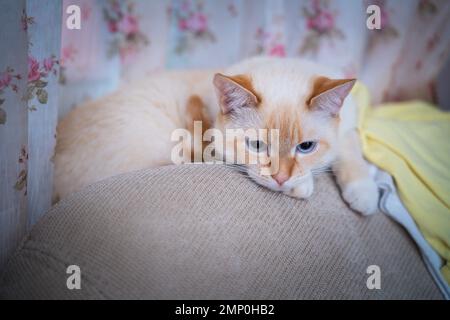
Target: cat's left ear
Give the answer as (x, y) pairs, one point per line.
(328, 94)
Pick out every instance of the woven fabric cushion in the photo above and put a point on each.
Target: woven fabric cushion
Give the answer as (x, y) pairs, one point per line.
(208, 232)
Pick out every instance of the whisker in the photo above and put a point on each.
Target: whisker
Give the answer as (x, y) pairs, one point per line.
(237, 167)
(322, 173)
(319, 171)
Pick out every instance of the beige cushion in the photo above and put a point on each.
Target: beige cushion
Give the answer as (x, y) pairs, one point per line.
(202, 232)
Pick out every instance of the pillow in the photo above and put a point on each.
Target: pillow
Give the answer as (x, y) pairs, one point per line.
(208, 232)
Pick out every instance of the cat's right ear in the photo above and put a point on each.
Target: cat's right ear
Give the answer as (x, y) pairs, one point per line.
(234, 92)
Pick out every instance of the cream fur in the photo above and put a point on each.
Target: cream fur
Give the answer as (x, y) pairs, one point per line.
(131, 128)
(125, 131)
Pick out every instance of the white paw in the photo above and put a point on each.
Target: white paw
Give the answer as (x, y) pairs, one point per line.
(302, 191)
(362, 196)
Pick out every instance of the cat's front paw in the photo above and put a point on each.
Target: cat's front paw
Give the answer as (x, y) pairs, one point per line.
(362, 196)
(302, 191)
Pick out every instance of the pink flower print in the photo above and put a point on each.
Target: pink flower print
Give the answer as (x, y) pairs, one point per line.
(37, 79)
(67, 54)
(183, 25)
(128, 25)
(112, 27)
(86, 12)
(384, 18)
(278, 51)
(123, 23)
(5, 80)
(48, 64)
(33, 69)
(197, 22)
(322, 22)
(193, 24)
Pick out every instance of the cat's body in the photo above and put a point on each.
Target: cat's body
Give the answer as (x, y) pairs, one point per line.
(131, 129)
(122, 132)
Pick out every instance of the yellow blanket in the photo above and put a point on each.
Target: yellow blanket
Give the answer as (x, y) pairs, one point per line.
(411, 141)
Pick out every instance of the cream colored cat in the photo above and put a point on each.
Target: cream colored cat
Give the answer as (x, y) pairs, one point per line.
(131, 129)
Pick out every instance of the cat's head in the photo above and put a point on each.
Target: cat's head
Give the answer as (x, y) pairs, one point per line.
(304, 111)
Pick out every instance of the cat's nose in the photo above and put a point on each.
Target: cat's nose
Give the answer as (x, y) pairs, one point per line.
(280, 178)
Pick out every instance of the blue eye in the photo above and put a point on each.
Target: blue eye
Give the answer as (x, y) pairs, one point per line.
(306, 147)
(256, 145)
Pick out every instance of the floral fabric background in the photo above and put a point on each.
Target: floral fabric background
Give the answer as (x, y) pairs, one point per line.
(134, 38)
(29, 70)
(47, 69)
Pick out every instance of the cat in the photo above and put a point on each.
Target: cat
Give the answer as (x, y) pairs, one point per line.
(308, 104)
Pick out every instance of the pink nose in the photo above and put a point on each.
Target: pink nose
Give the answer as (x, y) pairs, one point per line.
(280, 178)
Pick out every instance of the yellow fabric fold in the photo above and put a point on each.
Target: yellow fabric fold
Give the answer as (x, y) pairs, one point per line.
(411, 141)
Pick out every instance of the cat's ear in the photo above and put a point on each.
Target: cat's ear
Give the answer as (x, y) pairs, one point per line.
(328, 94)
(234, 92)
